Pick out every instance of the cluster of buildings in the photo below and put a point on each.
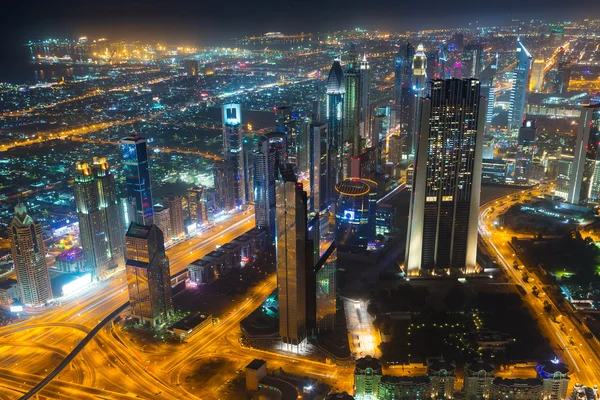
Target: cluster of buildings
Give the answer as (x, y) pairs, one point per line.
(479, 382)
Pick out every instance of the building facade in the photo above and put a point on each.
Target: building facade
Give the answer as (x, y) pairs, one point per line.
(29, 256)
(196, 200)
(585, 174)
(233, 152)
(335, 117)
(137, 177)
(520, 84)
(148, 275)
(447, 180)
(97, 209)
(175, 206)
(355, 213)
(265, 160)
(367, 375)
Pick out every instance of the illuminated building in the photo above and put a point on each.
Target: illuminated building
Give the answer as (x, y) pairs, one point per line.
(364, 101)
(585, 176)
(265, 174)
(520, 83)
(320, 177)
(137, 177)
(71, 261)
(351, 114)
(404, 387)
(174, 204)
(395, 149)
(162, 220)
(291, 237)
(472, 60)
(29, 256)
(126, 213)
(224, 178)
(487, 80)
(335, 113)
(419, 70)
(385, 219)
(191, 67)
(148, 275)
(564, 171)
(479, 376)
(405, 96)
(527, 133)
(325, 291)
(557, 78)
(233, 151)
(367, 375)
(556, 378)
(442, 376)
(97, 209)
(196, 200)
(355, 213)
(493, 170)
(287, 123)
(442, 230)
(526, 389)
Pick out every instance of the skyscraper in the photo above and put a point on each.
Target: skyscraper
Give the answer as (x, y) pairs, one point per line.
(148, 275)
(162, 220)
(137, 177)
(225, 184)
(585, 175)
(442, 230)
(406, 98)
(175, 206)
(487, 79)
(355, 213)
(325, 291)
(265, 174)
(472, 60)
(335, 114)
(29, 256)
(520, 84)
(287, 123)
(352, 104)
(319, 178)
(97, 205)
(419, 70)
(233, 150)
(291, 236)
(364, 117)
(196, 199)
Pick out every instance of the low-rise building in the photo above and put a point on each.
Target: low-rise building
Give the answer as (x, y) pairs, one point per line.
(442, 375)
(404, 387)
(9, 291)
(513, 389)
(255, 371)
(70, 261)
(556, 379)
(367, 375)
(201, 272)
(479, 376)
(190, 325)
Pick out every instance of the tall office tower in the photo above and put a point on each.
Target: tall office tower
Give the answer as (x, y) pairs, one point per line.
(191, 67)
(265, 175)
(29, 256)
(320, 178)
(442, 57)
(472, 60)
(394, 149)
(520, 83)
(585, 175)
(286, 122)
(97, 208)
(148, 275)
(556, 79)
(326, 270)
(335, 115)
(351, 115)
(487, 79)
(126, 213)
(291, 237)
(137, 177)
(162, 220)
(458, 41)
(367, 375)
(406, 97)
(378, 133)
(442, 230)
(233, 152)
(197, 210)
(224, 178)
(419, 69)
(175, 206)
(364, 118)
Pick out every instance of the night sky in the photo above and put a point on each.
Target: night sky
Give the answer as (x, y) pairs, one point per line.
(214, 22)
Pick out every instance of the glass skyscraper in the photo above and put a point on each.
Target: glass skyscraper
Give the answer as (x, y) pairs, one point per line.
(352, 105)
(335, 116)
(442, 231)
(405, 96)
(233, 150)
(520, 84)
(585, 175)
(137, 177)
(265, 174)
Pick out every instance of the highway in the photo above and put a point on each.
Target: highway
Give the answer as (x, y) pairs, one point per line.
(38, 344)
(566, 337)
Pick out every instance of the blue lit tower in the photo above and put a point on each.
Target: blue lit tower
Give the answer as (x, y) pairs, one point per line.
(444, 208)
(520, 83)
(355, 213)
(233, 153)
(335, 113)
(137, 177)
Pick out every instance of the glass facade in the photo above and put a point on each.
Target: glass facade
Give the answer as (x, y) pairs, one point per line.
(585, 176)
(137, 177)
(355, 213)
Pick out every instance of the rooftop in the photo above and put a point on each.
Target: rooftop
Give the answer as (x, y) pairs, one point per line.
(256, 364)
(138, 231)
(190, 322)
